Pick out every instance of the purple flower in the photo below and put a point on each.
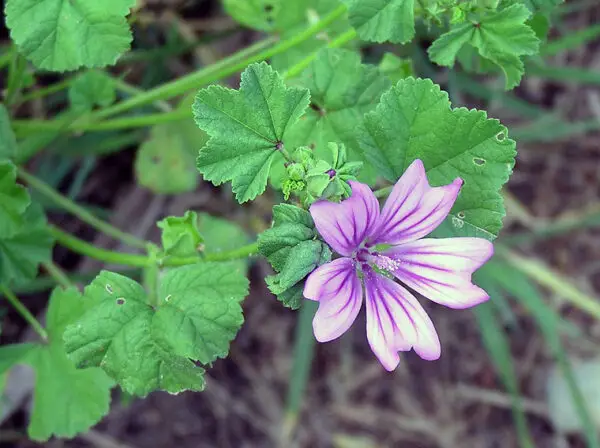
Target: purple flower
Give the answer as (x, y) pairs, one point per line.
(374, 246)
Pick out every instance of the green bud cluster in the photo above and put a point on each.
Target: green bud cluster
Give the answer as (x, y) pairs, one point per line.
(310, 178)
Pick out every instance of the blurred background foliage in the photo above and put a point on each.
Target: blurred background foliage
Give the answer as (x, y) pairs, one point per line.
(520, 370)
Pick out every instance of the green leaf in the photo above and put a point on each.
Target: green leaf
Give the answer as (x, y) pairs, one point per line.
(116, 334)
(414, 120)
(502, 37)
(92, 88)
(21, 253)
(247, 127)
(63, 35)
(83, 394)
(14, 199)
(165, 163)
(293, 250)
(342, 91)
(66, 306)
(199, 310)
(396, 68)
(146, 349)
(291, 226)
(542, 5)
(180, 235)
(222, 235)
(8, 142)
(383, 20)
(302, 259)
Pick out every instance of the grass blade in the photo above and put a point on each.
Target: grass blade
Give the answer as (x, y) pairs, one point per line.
(519, 286)
(498, 347)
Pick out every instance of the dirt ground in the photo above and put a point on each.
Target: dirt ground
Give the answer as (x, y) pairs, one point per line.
(351, 401)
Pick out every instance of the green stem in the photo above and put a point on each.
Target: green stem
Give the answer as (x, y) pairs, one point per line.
(24, 312)
(84, 248)
(142, 261)
(226, 67)
(139, 121)
(79, 211)
(339, 41)
(15, 77)
(45, 91)
(235, 254)
(383, 192)
(185, 83)
(58, 275)
(130, 90)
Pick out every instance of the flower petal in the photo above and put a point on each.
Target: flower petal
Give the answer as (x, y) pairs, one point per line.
(414, 208)
(338, 290)
(440, 269)
(344, 226)
(396, 321)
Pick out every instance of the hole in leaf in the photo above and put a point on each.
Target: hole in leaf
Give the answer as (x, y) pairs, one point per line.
(120, 301)
(500, 136)
(168, 298)
(461, 215)
(479, 161)
(279, 145)
(109, 289)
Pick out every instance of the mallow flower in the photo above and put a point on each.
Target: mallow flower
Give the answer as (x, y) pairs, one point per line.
(377, 246)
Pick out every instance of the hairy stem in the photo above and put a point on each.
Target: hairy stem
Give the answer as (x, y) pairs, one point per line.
(24, 312)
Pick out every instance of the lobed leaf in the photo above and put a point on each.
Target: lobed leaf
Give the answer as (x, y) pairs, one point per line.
(501, 37)
(342, 91)
(21, 253)
(146, 349)
(63, 35)
(83, 394)
(414, 120)
(247, 128)
(383, 20)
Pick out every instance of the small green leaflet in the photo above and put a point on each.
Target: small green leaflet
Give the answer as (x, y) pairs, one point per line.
(21, 253)
(383, 20)
(293, 250)
(172, 171)
(342, 91)
(146, 349)
(14, 199)
(83, 394)
(8, 142)
(92, 88)
(63, 35)
(180, 235)
(247, 127)
(502, 37)
(414, 120)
